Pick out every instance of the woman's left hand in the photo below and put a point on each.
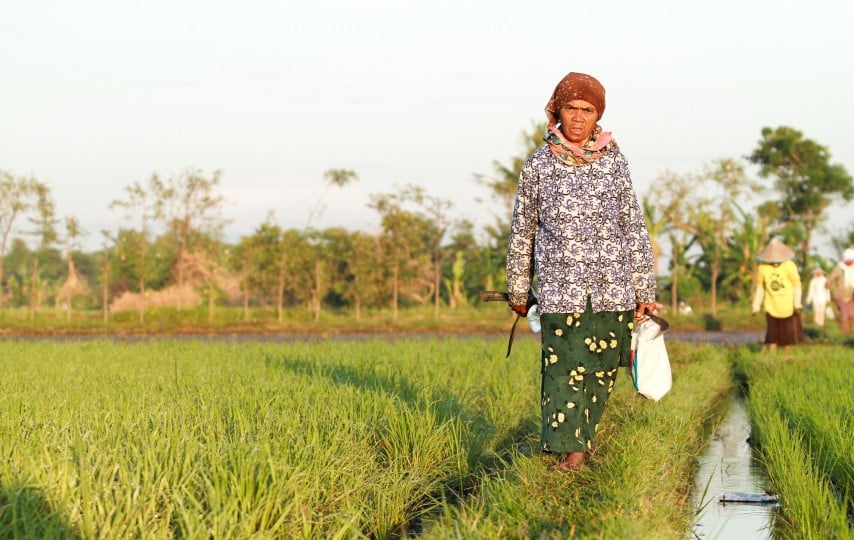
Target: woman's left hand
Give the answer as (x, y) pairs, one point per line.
(641, 311)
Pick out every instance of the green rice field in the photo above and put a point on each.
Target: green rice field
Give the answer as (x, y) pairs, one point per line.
(802, 407)
(374, 438)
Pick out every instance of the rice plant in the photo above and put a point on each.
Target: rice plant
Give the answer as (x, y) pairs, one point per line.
(329, 439)
(801, 405)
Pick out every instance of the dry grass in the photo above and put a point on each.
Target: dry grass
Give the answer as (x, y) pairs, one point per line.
(174, 296)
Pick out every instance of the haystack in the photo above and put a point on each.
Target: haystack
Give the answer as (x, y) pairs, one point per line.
(196, 269)
(75, 285)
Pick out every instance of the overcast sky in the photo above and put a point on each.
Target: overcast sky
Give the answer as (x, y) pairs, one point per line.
(98, 95)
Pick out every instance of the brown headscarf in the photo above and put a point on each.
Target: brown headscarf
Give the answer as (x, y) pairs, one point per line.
(575, 86)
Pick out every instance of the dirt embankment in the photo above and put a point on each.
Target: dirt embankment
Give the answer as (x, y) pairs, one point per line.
(309, 333)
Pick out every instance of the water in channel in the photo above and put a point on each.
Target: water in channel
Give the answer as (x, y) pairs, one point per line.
(727, 466)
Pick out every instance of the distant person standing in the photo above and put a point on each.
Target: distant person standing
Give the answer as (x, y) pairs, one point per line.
(778, 291)
(818, 296)
(841, 285)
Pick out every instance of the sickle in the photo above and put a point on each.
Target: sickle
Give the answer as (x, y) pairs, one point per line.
(498, 296)
(512, 335)
(659, 321)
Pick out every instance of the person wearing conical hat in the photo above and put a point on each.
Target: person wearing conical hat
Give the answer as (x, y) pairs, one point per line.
(778, 292)
(841, 284)
(818, 296)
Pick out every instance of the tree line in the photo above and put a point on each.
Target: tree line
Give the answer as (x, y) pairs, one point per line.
(712, 222)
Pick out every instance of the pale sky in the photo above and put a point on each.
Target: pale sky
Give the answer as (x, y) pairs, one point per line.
(97, 95)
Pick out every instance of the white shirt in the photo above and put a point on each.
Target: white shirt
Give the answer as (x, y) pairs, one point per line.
(818, 295)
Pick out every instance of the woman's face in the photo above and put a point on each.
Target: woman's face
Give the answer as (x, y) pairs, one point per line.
(577, 119)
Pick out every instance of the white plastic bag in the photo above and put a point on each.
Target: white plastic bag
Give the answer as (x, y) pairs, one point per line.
(650, 364)
(534, 312)
(534, 318)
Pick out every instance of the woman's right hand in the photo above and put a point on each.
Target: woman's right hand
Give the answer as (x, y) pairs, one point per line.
(520, 309)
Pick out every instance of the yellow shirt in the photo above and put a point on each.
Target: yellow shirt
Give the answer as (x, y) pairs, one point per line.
(778, 289)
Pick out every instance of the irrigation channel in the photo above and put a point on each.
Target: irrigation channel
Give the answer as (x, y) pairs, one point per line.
(730, 486)
(726, 470)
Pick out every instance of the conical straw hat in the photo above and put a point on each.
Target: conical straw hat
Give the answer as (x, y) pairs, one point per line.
(775, 252)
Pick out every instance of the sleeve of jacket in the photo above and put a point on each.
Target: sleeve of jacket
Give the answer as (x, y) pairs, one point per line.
(758, 297)
(758, 292)
(638, 240)
(833, 278)
(797, 287)
(523, 231)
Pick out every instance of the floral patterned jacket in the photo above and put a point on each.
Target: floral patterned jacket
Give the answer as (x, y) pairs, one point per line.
(583, 229)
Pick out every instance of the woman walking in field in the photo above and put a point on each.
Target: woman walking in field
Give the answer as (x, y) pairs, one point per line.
(841, 284)
(818, 296)
(778, 291)
(578, 226)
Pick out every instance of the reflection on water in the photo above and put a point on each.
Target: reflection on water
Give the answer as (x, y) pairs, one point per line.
(726, 466)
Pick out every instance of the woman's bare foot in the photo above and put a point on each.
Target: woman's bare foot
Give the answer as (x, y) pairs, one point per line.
(570, 461)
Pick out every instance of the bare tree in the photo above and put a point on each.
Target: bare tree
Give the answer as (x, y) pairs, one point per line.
(189, 205)
(717, 213)
(75, 284)
(15, 200)
(332, 178)
(674, 196)
(146, 203)
(44, 232)
(436, 210)
(406, 237)
(105, 275)
(657, 226)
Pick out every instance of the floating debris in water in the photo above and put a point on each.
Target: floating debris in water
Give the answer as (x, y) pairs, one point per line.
(748, 498)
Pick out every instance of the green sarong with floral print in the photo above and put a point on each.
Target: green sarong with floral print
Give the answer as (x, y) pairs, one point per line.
(581, 354)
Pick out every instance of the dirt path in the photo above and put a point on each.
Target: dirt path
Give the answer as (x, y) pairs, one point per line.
(721, 338)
